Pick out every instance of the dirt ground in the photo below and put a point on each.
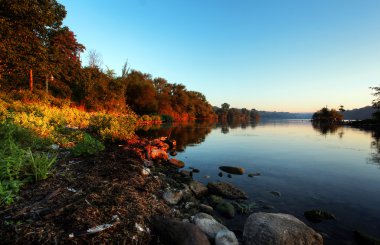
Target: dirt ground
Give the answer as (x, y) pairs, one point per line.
(85, 195)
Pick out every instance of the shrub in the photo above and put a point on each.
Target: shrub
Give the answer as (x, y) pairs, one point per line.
(113, 127)
(87, 147)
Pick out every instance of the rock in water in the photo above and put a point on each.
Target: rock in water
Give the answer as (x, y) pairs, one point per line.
(232, 170)
(208, 224)
(176, 163)
(317, 216)
(198, 188)
(176, 232)
(277, 228)
(173, 197)
(226, 190)
(226, 209)
(226, 237)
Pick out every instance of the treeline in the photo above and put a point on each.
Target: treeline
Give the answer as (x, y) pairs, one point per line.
(38, 53)
(227, 114)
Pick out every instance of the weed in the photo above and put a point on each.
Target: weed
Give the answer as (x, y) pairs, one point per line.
(87, 147)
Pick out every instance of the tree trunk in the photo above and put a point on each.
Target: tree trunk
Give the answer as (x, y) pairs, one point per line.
(31, 80)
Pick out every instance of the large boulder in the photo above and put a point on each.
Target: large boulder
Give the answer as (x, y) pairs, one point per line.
(176, 232)
(277, 228)
(226, 190)
(208, 224)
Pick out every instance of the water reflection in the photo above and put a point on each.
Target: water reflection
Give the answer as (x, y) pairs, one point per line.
(185, 134)
(326, 128)
(375, 157)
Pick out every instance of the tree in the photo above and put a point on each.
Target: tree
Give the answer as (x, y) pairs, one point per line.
(25, 26)
(376, 103)
(63, 61)
(95, 59)
(327, 116)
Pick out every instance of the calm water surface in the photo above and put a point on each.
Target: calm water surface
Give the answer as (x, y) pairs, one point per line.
(336, 170)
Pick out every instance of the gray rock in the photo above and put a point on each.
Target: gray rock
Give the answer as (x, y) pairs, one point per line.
(198, 188)
(208, 224)
(277, 228)
(226, 237)
(176, 232)
(173, 197)
(226, 190)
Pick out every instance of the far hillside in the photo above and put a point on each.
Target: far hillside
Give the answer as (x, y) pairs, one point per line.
(359, 114)
(283, 115)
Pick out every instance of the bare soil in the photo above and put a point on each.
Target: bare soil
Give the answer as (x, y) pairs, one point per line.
(106, 192)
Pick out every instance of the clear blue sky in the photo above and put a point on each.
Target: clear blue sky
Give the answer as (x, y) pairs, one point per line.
(289, 55)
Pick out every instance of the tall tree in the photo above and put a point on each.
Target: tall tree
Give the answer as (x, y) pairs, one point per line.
(24, 28)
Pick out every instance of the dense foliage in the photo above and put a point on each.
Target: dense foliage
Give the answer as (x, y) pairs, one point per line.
(327, 116)
(227, 114)
(38, 53)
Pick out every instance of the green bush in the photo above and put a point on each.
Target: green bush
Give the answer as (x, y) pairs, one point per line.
(87, 147)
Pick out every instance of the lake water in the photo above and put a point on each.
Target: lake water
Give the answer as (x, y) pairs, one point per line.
(332, 169)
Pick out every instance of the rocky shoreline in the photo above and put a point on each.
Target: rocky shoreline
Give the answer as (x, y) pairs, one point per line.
(136, 193)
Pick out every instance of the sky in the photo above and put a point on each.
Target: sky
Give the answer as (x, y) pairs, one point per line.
(288, 55)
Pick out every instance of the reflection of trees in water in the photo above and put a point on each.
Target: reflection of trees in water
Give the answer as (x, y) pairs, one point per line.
(226, 126)
(375, 157)
(327, 128)
(184, 134)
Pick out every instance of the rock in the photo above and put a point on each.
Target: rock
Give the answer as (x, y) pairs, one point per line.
(160, 144)
(195, 170)
(198, 188)
(176, 163)
(171, 143)
(186, 173)
(229, 176)
(277, 228)
(145, 171)
(215, 200)
(220, 174)
(226, 237)
(226, 190)
(176, 232)
(206, 208)
(253, 174)
(317, 216)
(208, 224)
(158, 154)
(173, 197)
(275, 193)
(232, 170)
(226, 209)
